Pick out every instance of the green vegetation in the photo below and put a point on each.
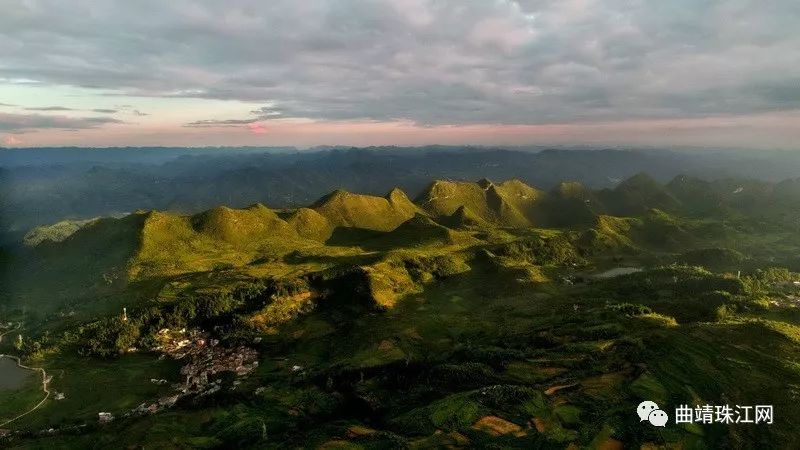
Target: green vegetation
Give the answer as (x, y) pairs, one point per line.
(344, 209)
(471, 318)
(56, 232)
(510, 204)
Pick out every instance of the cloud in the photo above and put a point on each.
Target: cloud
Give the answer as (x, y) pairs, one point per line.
(65, 108)
(7, 104)
(266, 112)
(222, 123)
(262, 113)
(49, 108)
(451, 62)
(131, 110)
(18, 80)
(20, 123)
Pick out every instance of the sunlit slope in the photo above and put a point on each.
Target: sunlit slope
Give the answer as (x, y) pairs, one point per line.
(172, 243)
(611, 233)
(463, 217)
(509, 204)
(310, 224)
(368, 212)
(153, 243)
(242, 227)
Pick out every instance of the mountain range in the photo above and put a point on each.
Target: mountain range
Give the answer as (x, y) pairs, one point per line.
(43, 186)
(109, 253)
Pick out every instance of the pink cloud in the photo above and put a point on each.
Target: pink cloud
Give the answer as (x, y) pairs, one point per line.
(11, 141)
(256, 128)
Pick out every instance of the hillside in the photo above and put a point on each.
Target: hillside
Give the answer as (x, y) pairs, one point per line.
(173, 243)
(243, 226)
(636, 195)
(56, 232)
(345, 209)
(419, 231)
(310, 224)
(571, 204)
(154, 244)
(697, 196)
(509, 204)
(463, 217)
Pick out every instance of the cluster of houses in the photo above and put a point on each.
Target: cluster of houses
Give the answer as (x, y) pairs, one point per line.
(182, 343)
(206, 359)
(239, 360)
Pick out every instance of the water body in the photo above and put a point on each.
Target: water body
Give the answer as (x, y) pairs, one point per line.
(11, 376)
(617, 271)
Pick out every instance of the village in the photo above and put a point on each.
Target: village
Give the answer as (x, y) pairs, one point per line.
(205, 361)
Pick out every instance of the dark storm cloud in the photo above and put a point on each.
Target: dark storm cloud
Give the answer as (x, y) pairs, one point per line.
(30, 122)
(431, 62)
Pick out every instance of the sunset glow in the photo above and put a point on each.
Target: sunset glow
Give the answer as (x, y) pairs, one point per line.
(398, 72)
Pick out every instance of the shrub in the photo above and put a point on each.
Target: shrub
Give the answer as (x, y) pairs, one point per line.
(725, 312)
(630, 309)
(108, 337)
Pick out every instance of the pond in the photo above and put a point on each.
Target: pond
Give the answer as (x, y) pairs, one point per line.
(11, 376)
(617, 271)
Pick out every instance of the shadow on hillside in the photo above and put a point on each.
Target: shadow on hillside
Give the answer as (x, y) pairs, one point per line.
(356, 237)
(298, 257)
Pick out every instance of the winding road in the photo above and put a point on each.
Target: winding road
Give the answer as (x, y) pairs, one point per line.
(45, 380)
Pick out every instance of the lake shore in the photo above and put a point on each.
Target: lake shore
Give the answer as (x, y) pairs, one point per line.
(45, 381)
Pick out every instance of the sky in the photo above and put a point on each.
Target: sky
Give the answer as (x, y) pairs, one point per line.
(717, 73)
